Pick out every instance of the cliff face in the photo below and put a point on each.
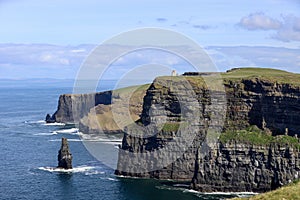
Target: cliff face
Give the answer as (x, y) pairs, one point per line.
(269, 105)
(72, 107)
(113, 117)
(243, 167)
(272, 106)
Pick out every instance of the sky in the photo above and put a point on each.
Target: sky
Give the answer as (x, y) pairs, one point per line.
(51, 39)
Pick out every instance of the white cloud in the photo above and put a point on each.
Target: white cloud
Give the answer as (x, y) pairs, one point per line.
(46, 58)
(37, 60)
(259, 21)
(41, 60)
(270, 57)
(287, 29)
(78, 50)
(290, 30)
(42, 54)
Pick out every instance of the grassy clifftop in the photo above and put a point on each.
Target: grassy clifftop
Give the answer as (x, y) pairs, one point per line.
(266, 74)
(289, 192)
(210, 80)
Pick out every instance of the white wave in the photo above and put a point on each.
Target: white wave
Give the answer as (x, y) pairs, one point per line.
(35, 122)
(73, 131)
(54, 124)
(52, 133)
(222, 193)
(181, 185)
(94, 172)
(232, 193)
(78, 169)
(70, 140)
(108, 178)
(112, 179)
(129, 177)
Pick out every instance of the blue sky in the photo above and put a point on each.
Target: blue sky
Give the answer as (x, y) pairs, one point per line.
(39, 37)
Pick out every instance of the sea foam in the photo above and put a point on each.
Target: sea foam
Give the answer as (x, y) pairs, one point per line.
(73, 131)
(78, 169)
(54, 124)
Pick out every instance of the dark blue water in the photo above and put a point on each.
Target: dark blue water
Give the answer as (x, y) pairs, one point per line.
(28, 148)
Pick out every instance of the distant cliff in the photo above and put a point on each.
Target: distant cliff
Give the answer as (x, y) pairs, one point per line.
(72, 107)
(263, 159)
(103, 116)
(93, 111)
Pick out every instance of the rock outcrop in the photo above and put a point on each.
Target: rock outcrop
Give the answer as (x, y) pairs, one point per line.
(64, 155)
(271, 102)
(49, 119)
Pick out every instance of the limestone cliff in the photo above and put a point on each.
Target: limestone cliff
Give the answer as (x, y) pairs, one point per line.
(237, 167)
(113, 117)
(264, 98)
(72, 107)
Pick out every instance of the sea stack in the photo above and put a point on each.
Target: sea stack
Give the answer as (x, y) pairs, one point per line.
(64, 155)
(49, 119)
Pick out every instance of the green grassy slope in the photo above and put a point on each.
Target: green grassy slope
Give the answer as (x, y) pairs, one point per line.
(289, 192)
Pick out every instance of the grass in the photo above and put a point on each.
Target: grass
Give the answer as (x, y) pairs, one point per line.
(256, 136)
(131, 89)
(168, 127)
(288, 192)
(236, 75)
(264, 74)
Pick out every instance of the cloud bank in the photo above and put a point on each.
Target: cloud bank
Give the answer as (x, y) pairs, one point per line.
(259, 21)
(287, 29)
(19, 61)
(245, 56)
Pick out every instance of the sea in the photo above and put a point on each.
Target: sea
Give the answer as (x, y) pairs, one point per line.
(29, 147)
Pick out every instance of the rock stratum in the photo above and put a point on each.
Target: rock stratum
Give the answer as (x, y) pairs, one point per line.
(256, 113)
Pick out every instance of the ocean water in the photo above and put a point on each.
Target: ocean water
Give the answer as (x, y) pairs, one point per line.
(28, 152)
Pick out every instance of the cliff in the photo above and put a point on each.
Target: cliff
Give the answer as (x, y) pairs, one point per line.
(92, 111)
(72, 107)
(261, 160)
(237, 167)
(113, 117)
(256, 111)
